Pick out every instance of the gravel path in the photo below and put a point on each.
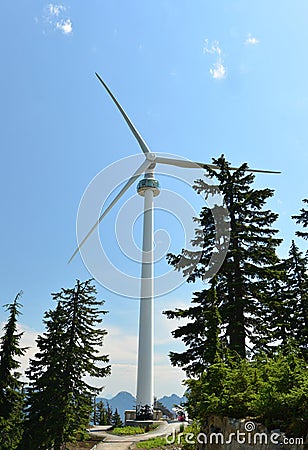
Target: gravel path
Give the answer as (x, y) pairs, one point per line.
(112, 442)
(114, 446)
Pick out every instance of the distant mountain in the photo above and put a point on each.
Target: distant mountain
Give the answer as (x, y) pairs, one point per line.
(124, 400)
(171, 400)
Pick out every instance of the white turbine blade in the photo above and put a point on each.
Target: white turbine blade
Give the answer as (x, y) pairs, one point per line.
(183, 163)
(133, 129)
(196, 165)
(132, 179)
(255, 170)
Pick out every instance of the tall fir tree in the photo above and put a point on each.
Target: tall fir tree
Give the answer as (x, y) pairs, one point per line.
(100, 413)
(273, 319)
(302, 219)
(59, 400)
(250, 260)
(109, 414)
(11, 387)
(116, 419)
(297, 291)
(283, 316)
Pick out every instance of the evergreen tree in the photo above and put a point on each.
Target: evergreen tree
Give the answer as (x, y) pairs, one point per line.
(250, 260)
(58, 398)
(11, 388)
(297, 290)
(201, 334)
(273, 389)
(302, 218)
(109, 414)
(284, 305)
(274, 312)
(94, 412)
(101, 413)
(116, 419)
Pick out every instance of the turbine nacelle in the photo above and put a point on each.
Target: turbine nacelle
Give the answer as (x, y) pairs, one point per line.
(148, 183)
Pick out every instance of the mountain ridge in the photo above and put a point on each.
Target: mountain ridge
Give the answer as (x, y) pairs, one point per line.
(124, 400)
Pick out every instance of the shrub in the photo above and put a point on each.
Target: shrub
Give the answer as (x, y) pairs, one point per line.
(128, 430)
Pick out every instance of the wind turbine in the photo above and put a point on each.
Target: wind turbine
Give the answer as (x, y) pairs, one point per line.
(148, 188)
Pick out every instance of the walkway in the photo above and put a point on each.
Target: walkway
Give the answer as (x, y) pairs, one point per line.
(114, 446)
(112, 442)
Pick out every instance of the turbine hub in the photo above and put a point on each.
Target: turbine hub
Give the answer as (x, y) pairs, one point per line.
(150, 156)
(146, 184)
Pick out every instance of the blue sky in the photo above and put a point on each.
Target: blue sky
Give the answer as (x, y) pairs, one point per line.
(197, 78)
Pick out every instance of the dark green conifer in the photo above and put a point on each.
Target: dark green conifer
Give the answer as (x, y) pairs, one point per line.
(116, 419)
(200, 334)
(109, 414)
(11, 388)
(59, 401)
(284, 304)
(297, 291)
(273, 319)
(101, 413)
(250, 260)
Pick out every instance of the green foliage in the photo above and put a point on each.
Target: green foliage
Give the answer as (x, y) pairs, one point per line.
(116, 419)
(227, 313)
(128, 430)
(214, 391)
(201, 335)
(283, 392)
(302, 219)
(254, 299)
(272, 389)
(59, 401)
(178, 439)
(153, 443)
(284, 304)
(191, 432)
(102, 414)
(11, 388)
(296, 293)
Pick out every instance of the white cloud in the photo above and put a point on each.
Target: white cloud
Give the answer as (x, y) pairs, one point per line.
(65, 26)
(165, 326)
(218, 71)
(121, 346)
(251, 40)
(55, 10)
(54, 18)
(122, 350)
(115, 348)
(213, 48)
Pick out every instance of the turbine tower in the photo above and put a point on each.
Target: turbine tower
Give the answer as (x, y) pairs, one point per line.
(148, 188)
